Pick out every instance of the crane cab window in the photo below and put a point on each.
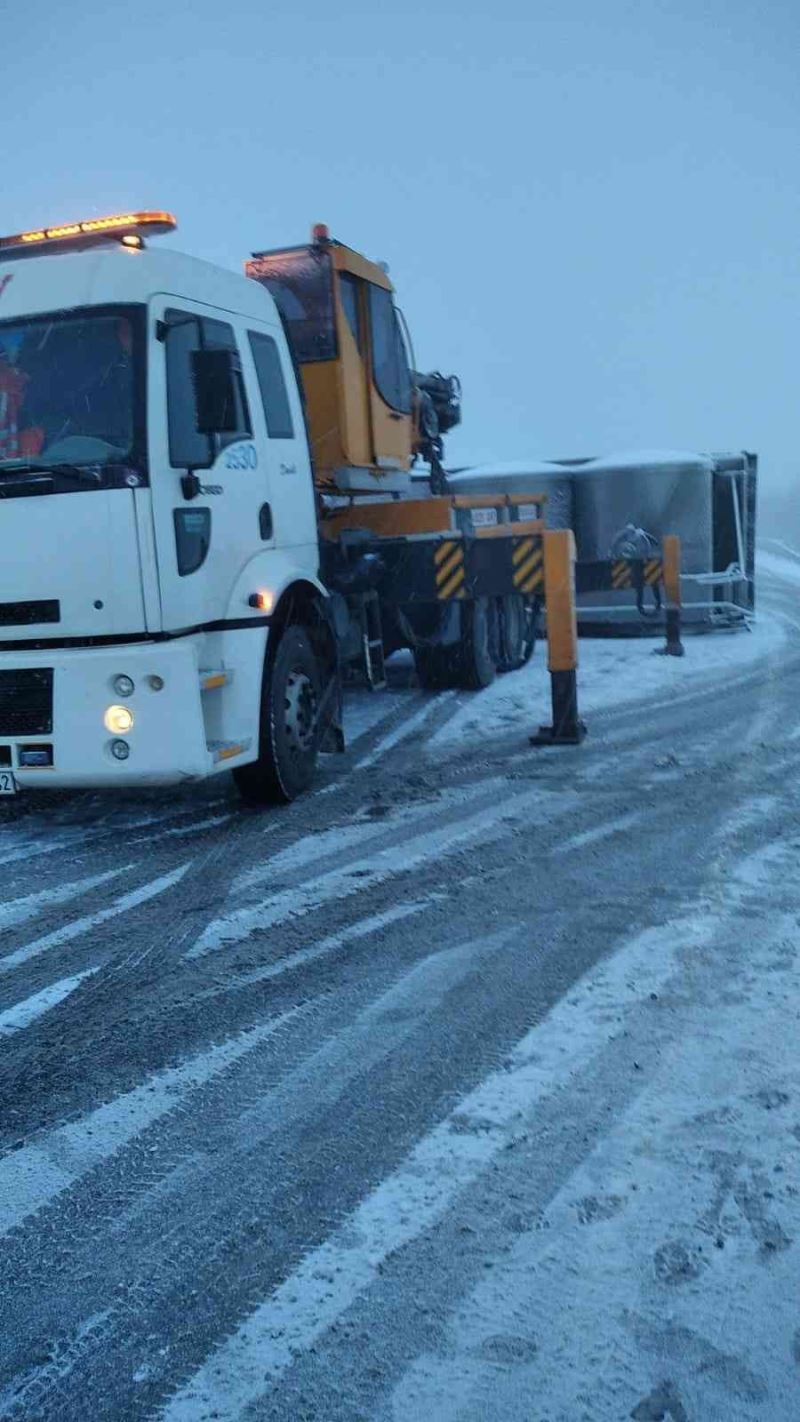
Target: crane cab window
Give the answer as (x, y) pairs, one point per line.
(301, 283)
(389, 360)
(348, 291)
(188, 448)
(272, 385)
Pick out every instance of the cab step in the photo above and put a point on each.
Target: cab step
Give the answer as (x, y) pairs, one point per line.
(227, 750)
(217, 677)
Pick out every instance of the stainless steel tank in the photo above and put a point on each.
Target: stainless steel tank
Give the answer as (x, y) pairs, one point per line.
(658, 491)
(521, 477)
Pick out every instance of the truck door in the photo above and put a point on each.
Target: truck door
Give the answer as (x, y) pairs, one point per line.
(280, 429)
(211, 494)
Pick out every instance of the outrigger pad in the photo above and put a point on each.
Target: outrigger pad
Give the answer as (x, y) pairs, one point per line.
(559, 736)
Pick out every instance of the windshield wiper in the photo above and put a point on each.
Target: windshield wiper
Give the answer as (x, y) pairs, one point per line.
(88, 475)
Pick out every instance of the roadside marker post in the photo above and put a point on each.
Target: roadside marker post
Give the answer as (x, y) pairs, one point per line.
(671, 556)
(562, 640)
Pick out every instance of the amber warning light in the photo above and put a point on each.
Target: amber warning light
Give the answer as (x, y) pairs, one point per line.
(122, 224)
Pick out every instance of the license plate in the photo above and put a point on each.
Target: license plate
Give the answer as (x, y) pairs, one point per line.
(8, 785)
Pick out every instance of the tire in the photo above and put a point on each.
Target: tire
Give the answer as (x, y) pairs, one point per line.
(477, 652)
(288, 738)
(434, 667)
(517, 631)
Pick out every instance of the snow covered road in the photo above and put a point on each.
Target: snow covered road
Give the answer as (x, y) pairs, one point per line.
(465, 1089)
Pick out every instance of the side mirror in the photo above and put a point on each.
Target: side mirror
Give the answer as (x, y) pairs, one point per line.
(214, 376)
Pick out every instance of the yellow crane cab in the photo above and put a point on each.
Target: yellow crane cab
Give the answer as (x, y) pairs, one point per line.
(369, 414)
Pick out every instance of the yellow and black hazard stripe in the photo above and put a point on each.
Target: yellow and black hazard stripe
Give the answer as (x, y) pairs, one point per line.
(627, 575)
(652, 571)
(448, 562)
(527, 562)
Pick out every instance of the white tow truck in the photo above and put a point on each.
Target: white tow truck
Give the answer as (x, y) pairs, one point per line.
(178, 596)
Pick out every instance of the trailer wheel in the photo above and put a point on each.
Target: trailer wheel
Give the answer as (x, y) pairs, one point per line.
(477, 652)
(517, 631)
(288, 737)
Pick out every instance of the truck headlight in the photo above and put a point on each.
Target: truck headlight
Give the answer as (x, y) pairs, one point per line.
(118, 720)
(120, 750)
(123, 685)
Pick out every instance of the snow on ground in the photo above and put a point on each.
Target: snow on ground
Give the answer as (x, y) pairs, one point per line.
(647, 1285)
(784, 565)
(611, 672)
(665, 1253)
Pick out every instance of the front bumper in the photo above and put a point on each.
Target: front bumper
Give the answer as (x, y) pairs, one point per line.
(167, 741)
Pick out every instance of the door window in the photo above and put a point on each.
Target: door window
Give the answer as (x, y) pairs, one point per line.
(271, 383)
(188, 449)
(348, 290)
(389, 362)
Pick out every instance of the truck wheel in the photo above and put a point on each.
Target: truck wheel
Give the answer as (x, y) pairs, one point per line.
(517, 637)
(477, 651)
(434, 667)
(288, 736)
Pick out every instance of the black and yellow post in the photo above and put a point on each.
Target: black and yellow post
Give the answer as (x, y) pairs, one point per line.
(562, 640)
(671, 556)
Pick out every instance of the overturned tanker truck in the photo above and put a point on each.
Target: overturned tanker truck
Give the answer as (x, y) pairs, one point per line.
(621, 506)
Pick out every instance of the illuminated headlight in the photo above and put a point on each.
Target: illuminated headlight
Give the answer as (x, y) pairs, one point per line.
(118, 720)
(120, 750)
(123, 686)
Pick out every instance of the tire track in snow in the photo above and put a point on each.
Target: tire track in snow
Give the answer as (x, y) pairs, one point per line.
(442, 1165)
(80, 926)
(34, 1175)
(361, 929)
(20, 910)
(339, 838)
(364, 874)
(404, 730)
(22, 1014)
(44, 841)
(599, 832)
(181, 831)
(217, 1195)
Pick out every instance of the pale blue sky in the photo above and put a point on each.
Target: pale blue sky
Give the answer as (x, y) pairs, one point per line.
(590, 209)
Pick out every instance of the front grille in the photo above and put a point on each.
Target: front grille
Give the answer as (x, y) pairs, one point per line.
(26, 702)
(24, 614)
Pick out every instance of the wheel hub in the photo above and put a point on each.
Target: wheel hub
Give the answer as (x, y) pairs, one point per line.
(301, 710)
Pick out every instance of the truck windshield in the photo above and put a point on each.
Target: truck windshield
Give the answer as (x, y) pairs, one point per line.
(301, 283)
(68, 389)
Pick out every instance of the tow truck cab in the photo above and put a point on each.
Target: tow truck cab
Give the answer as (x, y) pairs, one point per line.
(157, 510)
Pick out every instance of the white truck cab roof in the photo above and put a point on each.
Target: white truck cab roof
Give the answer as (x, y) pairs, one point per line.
(98, 276)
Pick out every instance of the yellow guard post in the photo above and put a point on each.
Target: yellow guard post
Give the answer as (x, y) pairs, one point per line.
(562, 640)
(671, 558)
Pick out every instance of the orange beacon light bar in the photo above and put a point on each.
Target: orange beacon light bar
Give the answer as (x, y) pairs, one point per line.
(137, 224)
